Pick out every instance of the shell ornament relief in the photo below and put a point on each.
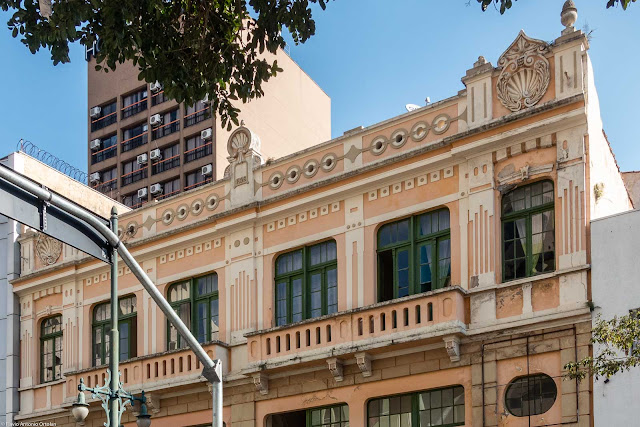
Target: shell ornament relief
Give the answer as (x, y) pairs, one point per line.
(525, 73)
(48, 249)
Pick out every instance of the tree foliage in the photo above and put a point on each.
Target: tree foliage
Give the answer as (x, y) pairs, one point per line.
(619, 350)
(503, 5)
(193, 47)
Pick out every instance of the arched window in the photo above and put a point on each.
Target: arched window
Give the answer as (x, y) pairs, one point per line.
(306, 283)
(51, 349)
(196, 302)
(414, 255)
(530, 395)
(528, 233)
(127, 329)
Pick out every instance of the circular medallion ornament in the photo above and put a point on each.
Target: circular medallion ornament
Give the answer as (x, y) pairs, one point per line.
(310, 168)
(329, 162)
(399, 138)
(197, 206)
(212, 202)
(182, 212)
(48, 249)
(419, 131)
(378, 145)
(168, 216)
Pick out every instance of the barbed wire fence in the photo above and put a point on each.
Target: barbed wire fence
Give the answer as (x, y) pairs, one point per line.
(55, 162)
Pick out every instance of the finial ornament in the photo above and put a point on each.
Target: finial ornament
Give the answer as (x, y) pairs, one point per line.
(568, 16)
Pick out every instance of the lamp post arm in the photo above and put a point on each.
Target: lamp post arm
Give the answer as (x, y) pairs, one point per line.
(90, 218)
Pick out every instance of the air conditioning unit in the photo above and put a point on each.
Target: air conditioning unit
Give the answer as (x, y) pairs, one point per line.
(156, 189)
(142, 159)
(155, 120)
(95, 112)
(94, 177)
(95, 144)
(142, 193)
(206, 134)
(155, 155)
(205, 100)
(207, 170)
(155, 87)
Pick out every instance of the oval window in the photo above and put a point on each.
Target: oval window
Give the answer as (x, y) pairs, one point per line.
(530, 395)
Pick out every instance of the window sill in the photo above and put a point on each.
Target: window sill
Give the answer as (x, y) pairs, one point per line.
(519, 282)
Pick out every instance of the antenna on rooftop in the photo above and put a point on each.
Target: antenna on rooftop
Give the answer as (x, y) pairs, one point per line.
(411, 107)
(427, 100)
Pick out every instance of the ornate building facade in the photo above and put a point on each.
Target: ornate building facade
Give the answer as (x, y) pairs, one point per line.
(431, 269)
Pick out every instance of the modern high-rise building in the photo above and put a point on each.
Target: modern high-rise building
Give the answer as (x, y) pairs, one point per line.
(144, 146)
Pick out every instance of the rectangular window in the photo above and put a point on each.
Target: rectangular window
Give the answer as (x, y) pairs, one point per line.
(196, 113)
(196, 148)
(329, 416)
(134, 103)
(169, 188)
(51, 349)
(127, 330)
(170, 124)
(132, 200)
(106, 117)
(108, 149)
(158, 98)
(195, 179)
(134, 137)
(306, 283)
(414, 255)
(437, 408)
(133, 172)
(528, 231)
(170, 159)
(199, 294)
(108, 180)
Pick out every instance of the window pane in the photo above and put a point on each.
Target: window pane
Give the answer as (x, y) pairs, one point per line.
(213, 309)
(402, 268)
(403, 230)
(425, 255)
(206, 285)
(281, 303)
(201, 321)
(531, 395)
(332, 291)
(123, 329)
(444, 262)
(315, 288)
(296, 300)
(443, 220)
(179, 291)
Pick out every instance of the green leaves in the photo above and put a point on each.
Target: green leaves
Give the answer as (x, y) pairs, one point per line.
(618, 347)
(504, 5)
(193, 48)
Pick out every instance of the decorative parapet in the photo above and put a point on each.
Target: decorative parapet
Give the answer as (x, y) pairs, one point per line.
(419, 317)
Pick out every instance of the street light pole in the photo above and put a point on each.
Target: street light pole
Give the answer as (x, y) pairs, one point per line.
(114, 345)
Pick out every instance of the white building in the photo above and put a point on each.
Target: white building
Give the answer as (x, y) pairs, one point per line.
(9, 316)
(615, 273)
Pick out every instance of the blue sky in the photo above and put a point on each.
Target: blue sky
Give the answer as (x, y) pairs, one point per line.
(370, 60)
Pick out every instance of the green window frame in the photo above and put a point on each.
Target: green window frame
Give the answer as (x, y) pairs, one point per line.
(127, 329)
(51, 349)
(306, 283)
(414, 255)
(329, 416)
(528, 231)
(195, 300)
(440, 407)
